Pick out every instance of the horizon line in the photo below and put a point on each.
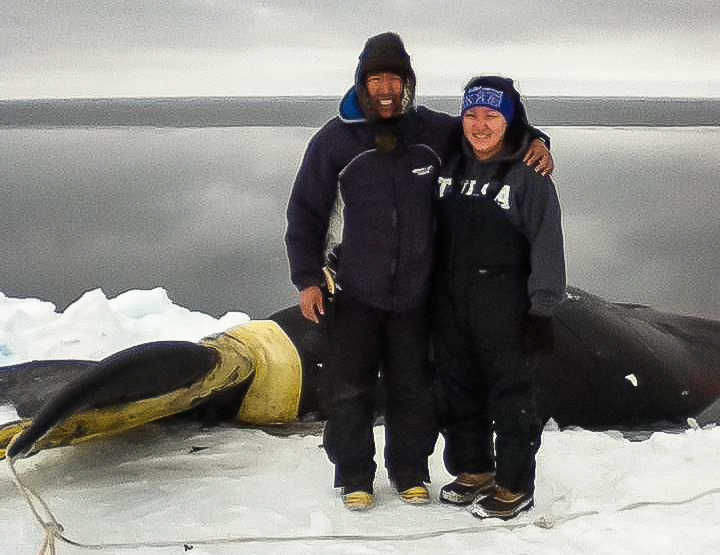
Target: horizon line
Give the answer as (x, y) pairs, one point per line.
(335, 97)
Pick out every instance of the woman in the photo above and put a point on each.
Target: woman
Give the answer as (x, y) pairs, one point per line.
(500, 274)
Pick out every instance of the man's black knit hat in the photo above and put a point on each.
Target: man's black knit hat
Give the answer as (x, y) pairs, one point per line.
(384, 52)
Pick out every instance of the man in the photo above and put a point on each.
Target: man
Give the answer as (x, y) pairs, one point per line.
(376, 165)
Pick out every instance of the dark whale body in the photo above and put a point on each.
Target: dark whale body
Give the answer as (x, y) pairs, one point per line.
(614, 366)
(629, 366)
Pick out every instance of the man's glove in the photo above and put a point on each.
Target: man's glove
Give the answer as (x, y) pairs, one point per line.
(539, 335)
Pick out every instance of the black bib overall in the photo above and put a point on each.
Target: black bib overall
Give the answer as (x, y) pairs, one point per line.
(480, 310)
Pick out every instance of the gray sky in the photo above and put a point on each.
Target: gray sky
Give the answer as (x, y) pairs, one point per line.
(254, 47)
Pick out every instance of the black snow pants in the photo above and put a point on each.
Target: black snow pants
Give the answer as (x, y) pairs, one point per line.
(361, 339)
(486, 380)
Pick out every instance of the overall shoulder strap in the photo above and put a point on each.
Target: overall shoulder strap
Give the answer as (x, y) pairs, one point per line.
(449, 174)
(453, 167)
(496, 181)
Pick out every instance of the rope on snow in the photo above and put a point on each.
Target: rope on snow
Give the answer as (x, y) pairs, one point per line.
(55, 531)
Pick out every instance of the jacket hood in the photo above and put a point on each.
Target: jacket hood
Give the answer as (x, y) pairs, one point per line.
(384, 52)
(350, 110)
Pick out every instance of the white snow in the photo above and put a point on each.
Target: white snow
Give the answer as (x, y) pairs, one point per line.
(596, 492)
(94, 326)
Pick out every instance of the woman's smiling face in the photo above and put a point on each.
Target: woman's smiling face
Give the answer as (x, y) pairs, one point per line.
(484, 128)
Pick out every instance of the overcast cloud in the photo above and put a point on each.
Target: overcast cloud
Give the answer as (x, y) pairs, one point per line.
(205, 47)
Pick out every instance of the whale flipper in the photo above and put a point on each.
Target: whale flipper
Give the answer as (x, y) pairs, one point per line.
(30, 385)
(254, 365)
(150, 370)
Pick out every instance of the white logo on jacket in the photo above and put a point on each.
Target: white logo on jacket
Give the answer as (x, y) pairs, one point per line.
(423, 170)
(503, 197)
(468, 187)
(444, 183)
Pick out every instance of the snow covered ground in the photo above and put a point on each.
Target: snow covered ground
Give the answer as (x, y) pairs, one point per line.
(180, 486)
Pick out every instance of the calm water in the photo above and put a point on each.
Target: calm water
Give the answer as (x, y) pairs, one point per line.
(241, 111)
(201, 212)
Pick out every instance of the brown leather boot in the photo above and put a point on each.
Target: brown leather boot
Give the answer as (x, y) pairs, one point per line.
(502, 503)
(467, 487)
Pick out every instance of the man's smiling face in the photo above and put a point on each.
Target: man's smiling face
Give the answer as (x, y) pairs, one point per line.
(385, 91)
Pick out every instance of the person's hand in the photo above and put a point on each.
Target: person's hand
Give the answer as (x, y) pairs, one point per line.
(311, 303)
(539, 334)
(539, 158)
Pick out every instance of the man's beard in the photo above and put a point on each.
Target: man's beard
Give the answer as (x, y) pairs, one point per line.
(386, 111)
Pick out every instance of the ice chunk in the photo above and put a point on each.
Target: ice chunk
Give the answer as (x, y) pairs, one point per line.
(8, 414)
(138, 302)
